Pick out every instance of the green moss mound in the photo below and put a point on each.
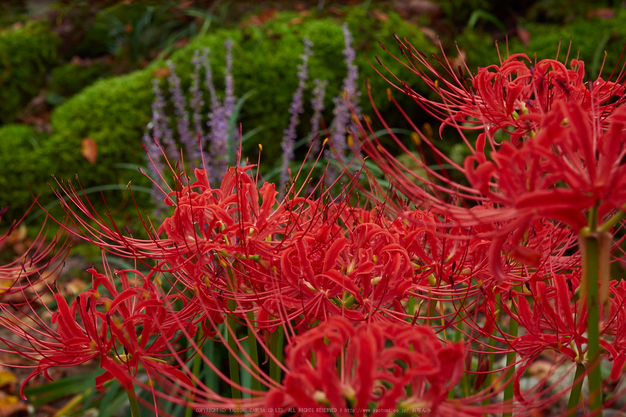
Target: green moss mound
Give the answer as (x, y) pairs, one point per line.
(590, 39)
(114, 112)
(26, 53)
(69, 79)
(21, 163)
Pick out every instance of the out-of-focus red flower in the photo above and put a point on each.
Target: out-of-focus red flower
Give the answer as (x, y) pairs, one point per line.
(511, 95)
(375, 367)
(123, 329)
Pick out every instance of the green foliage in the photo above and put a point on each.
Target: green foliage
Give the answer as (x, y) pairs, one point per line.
(26, 53)
(559, 11)
(590, 39)
(114, 112)
(12, 11)
(140, 30)
(70, 78)
(459, 11)
(21, 163)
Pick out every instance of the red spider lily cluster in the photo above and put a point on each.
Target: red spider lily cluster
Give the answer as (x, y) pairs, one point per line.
(435, 299)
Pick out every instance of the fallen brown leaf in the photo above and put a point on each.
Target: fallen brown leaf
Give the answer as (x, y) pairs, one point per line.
(267, 15)
(89, 149)
(73, 287)
(6, 378)
(162, 72)
(603, 14)
(539, 369)
(10, 406)
(523, 35)
(295, 21)
(430, 34)
(336, 11)
(380, 16)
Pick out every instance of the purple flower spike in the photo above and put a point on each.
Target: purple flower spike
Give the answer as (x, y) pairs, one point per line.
(295, 110)
(180, 106)
(196, 106)
(218, 117)
(318, 107)
(350, 95)
(229, 98)
(160, 122)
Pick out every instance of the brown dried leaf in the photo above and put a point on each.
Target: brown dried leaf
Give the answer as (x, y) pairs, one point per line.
(89, 149)
(380, 16)
(539, 369)
(430, 34)
(7, 378)
(267, 15)
(17, 235)
(408, 8)
(604, 14)
(73, 287)
(162, 72)
(523, 35)
(295, 21)
(10, 406)
(336, 11)
(181, 43)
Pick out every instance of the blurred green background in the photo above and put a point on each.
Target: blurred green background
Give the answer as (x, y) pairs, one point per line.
(76, 97)
(78, 73)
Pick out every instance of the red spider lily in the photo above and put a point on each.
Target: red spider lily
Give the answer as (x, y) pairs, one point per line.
(518, 174)
(376, 367)
(39, 262)
(568, 165)
(357, 273)
(109, 331)
(558, 322)
(568, 168)
(499, 94)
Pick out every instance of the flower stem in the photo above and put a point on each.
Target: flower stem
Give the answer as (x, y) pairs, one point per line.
(134, 405)
(233, 350)
(276, 347)
(510, 364)
(574, 397)
(612, 222)
(591, 277)
(195, 368)
(253, 352)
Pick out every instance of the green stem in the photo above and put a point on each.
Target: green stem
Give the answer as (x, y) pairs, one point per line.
(612, 222)
(134, 405)
(592, 252)
(276, 347)
(492, 345)
(233, 350)
(231, 332)
(510, 361)
(195, 368)
(574, 397)
(253, 352)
